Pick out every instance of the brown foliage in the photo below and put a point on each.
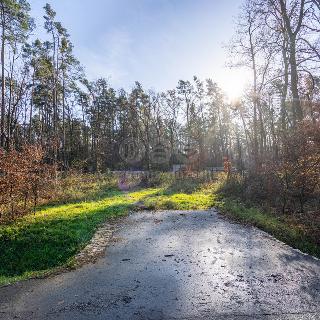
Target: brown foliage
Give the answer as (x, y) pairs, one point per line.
(24, 177)
(299, 168)
(292, 184)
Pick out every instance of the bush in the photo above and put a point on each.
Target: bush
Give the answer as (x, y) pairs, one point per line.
(24, 177)
(293, 182)
(299, 168)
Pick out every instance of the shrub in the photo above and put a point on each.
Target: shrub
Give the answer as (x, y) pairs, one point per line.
(24, 178)
(292, 182)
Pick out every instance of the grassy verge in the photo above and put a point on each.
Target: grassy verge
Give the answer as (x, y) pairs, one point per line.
(163, 199)
(36, 244)
(284, 228)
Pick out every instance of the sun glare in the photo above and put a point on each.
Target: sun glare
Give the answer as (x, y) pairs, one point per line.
(233, 82)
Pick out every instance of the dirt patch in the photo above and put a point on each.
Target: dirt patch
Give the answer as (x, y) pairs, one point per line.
(97, 245)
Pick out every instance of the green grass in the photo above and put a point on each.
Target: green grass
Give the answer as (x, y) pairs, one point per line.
(82, 187)
(35, 244)
(182, 194)
(282, 228)
(160, 199)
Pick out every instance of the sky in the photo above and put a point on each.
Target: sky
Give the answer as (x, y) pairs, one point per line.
(155, 42)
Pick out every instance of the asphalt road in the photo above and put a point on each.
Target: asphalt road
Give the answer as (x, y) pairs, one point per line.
(177, 265)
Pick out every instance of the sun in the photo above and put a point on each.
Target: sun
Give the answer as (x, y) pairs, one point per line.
(233, 82)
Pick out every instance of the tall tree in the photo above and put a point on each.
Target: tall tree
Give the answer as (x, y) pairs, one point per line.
(15, 24)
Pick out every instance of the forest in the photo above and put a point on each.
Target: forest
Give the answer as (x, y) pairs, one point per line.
(56, 124)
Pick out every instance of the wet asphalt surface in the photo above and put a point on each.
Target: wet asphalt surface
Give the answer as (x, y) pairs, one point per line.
(177, 265)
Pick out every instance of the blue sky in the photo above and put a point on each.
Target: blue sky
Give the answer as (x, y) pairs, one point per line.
(156, 42)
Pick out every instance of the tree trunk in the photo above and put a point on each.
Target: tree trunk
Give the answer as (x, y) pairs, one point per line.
(3, 107)
(296, 105)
